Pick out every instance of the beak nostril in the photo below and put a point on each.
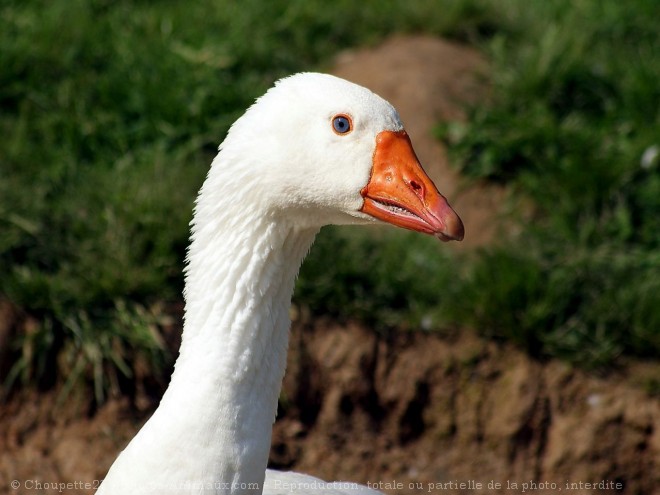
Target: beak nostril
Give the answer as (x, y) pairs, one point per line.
(418, 188)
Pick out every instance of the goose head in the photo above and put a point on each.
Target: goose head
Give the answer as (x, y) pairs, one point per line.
(326, 151)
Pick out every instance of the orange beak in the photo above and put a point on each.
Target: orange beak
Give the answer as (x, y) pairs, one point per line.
(399, 191)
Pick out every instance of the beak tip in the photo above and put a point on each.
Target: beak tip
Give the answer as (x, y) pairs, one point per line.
(454, 229)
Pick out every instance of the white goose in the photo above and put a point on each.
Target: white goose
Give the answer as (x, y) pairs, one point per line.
(314, 150)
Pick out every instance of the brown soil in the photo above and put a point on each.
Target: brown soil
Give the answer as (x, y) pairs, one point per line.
(414, 409)
(411, 408)
(429, 80)
(417, 408)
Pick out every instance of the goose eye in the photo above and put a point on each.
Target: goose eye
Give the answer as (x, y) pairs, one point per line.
(342, 124)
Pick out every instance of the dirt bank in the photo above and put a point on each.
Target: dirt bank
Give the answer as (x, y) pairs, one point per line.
(416, 408)
(412, 409)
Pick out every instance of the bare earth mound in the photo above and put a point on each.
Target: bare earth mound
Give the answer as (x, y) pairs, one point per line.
(429, 80)
(411, 413)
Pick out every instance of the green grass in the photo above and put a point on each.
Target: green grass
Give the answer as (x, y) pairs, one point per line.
(112, 111)
(388, 279)
(111, 114)
(575, 107)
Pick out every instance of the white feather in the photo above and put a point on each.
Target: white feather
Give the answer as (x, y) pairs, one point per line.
(280, 175)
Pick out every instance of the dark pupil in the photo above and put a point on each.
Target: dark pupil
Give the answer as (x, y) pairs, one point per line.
(341, 124)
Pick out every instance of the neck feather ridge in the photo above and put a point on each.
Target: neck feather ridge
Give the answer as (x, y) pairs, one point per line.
(213, 426)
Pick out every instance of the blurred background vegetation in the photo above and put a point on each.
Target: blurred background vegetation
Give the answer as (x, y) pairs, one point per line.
(111, 112)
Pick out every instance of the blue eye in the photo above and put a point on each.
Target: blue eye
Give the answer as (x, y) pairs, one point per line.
(342, 124)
